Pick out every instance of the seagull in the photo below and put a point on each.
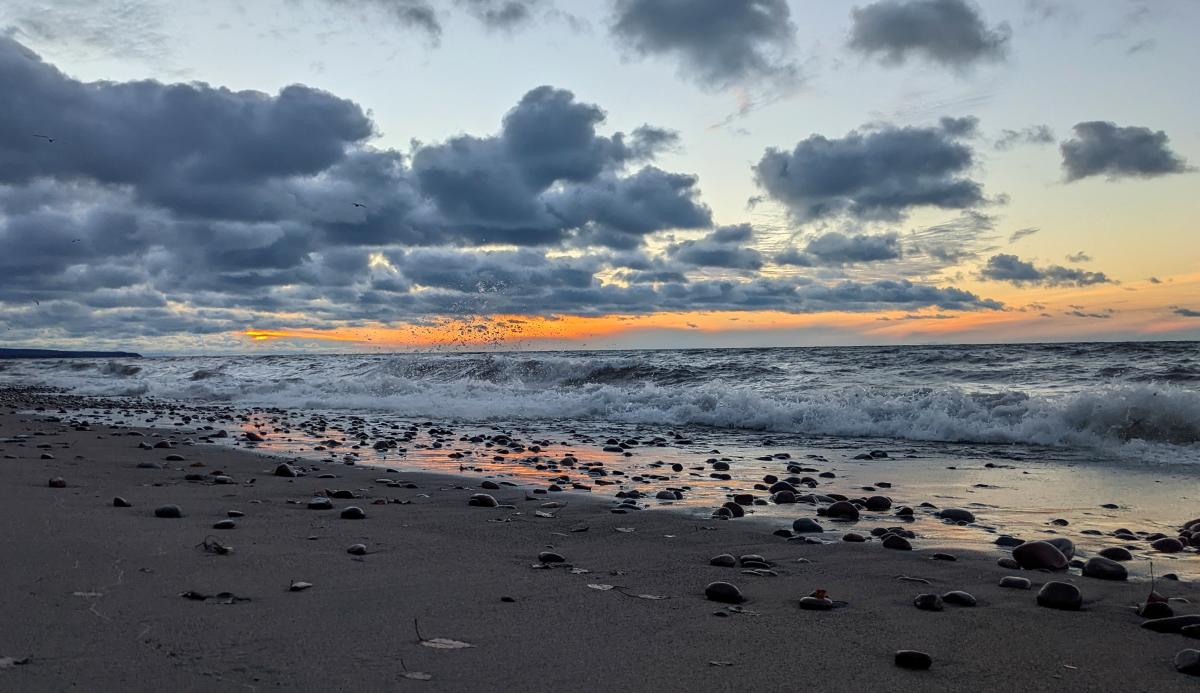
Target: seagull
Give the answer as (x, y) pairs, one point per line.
(45, 137)
(359, 204)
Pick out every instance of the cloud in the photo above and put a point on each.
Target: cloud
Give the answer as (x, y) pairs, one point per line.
(1012, 269)
(1101, 147)
(945, 32)
(878, 174)
(837, 249)
(1022, 233)
(427, 16)
(722, 248)
(1079, 257)
(1101, 315)
(1186, 312)
(169, 212)
(717, 43)
(1034, 134)
(88, 29)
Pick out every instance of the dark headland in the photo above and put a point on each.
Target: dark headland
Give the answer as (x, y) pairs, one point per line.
(58, 354)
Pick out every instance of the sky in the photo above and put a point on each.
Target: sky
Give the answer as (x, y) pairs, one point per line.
(348, 175)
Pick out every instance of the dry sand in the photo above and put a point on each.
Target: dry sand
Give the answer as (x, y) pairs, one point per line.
(91, 593)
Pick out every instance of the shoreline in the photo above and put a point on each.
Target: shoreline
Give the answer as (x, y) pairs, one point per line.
(94, 594)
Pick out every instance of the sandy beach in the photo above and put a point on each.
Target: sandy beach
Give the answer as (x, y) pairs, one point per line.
(93, 592)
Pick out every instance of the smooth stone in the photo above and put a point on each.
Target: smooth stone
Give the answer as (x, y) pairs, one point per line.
(1104, 569)
(928, 602)
(1034, 555)
(353, 513)
(1009, 563)
(783, 497)
(320, 503)
(235, 513)
(551, 557)
(944, 557)
(482, 500)
(1190, 632)
(285, 469)
(1016, 583)
(843, 510)
(1060, 595)
(878, 503)
(1064, 545)
(168, 511)
(956, 514)
(724, 560)
(357, 550)
(58, 482)
(1171, 624)
(1167, 545)
(1188, 662)
(816, 603)
(853, 537)
(899, 543)
(225, 524)
(959, 598)
(806, 525)
(912, 659)
(120, 502)
(490, 485)
(1007, 541)
(174, 458)
(734, 509)
(1116, 553)
(723, 592)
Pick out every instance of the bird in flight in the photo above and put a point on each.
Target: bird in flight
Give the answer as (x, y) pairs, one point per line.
(359, 204)
(45, 137)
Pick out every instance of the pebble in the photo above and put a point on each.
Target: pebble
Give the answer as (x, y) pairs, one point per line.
(168, 511)
(174, 458)
(1064, 545)
(58, 482)
(928, 602)
(959, 598)
(853, 537)
(320, 503)
(806, 525)
(956, 514)
(1104, 569)
(723, 592)
(878, 503)
(235, 513)
(843, 510)
(1009, 563)
(225, 524)
(724, 560)
(120, 502)
(816, 603)
(550, 557)
(1116, 553)
(912, 659)
(1016, 583)
(482, 500)
(1171, 624)
(1060, 595)
(357, 550)
(1006, 540)
(893, 541)
(1034, 555)
(1153, 610)
(353, 513)
(1168, 545)
(944, 557)
(490, 485)
(285, 469)
(1188, 662)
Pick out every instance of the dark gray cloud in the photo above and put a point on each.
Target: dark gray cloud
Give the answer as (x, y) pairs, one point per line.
(1079, 257)
(1185, 312)
(718, 43)
(724, 247)
(1014, 270)
(1095, 315)
(878, 173)
(1105, 148)
(837, 249)
(947, 32)
(1034, 134)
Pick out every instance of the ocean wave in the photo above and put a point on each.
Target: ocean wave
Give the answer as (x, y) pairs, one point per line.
(743, 390)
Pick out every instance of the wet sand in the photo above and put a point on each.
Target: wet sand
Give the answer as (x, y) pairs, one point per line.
(92, 592)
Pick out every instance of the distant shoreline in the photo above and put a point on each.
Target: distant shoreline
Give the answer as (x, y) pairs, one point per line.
(58, 354)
